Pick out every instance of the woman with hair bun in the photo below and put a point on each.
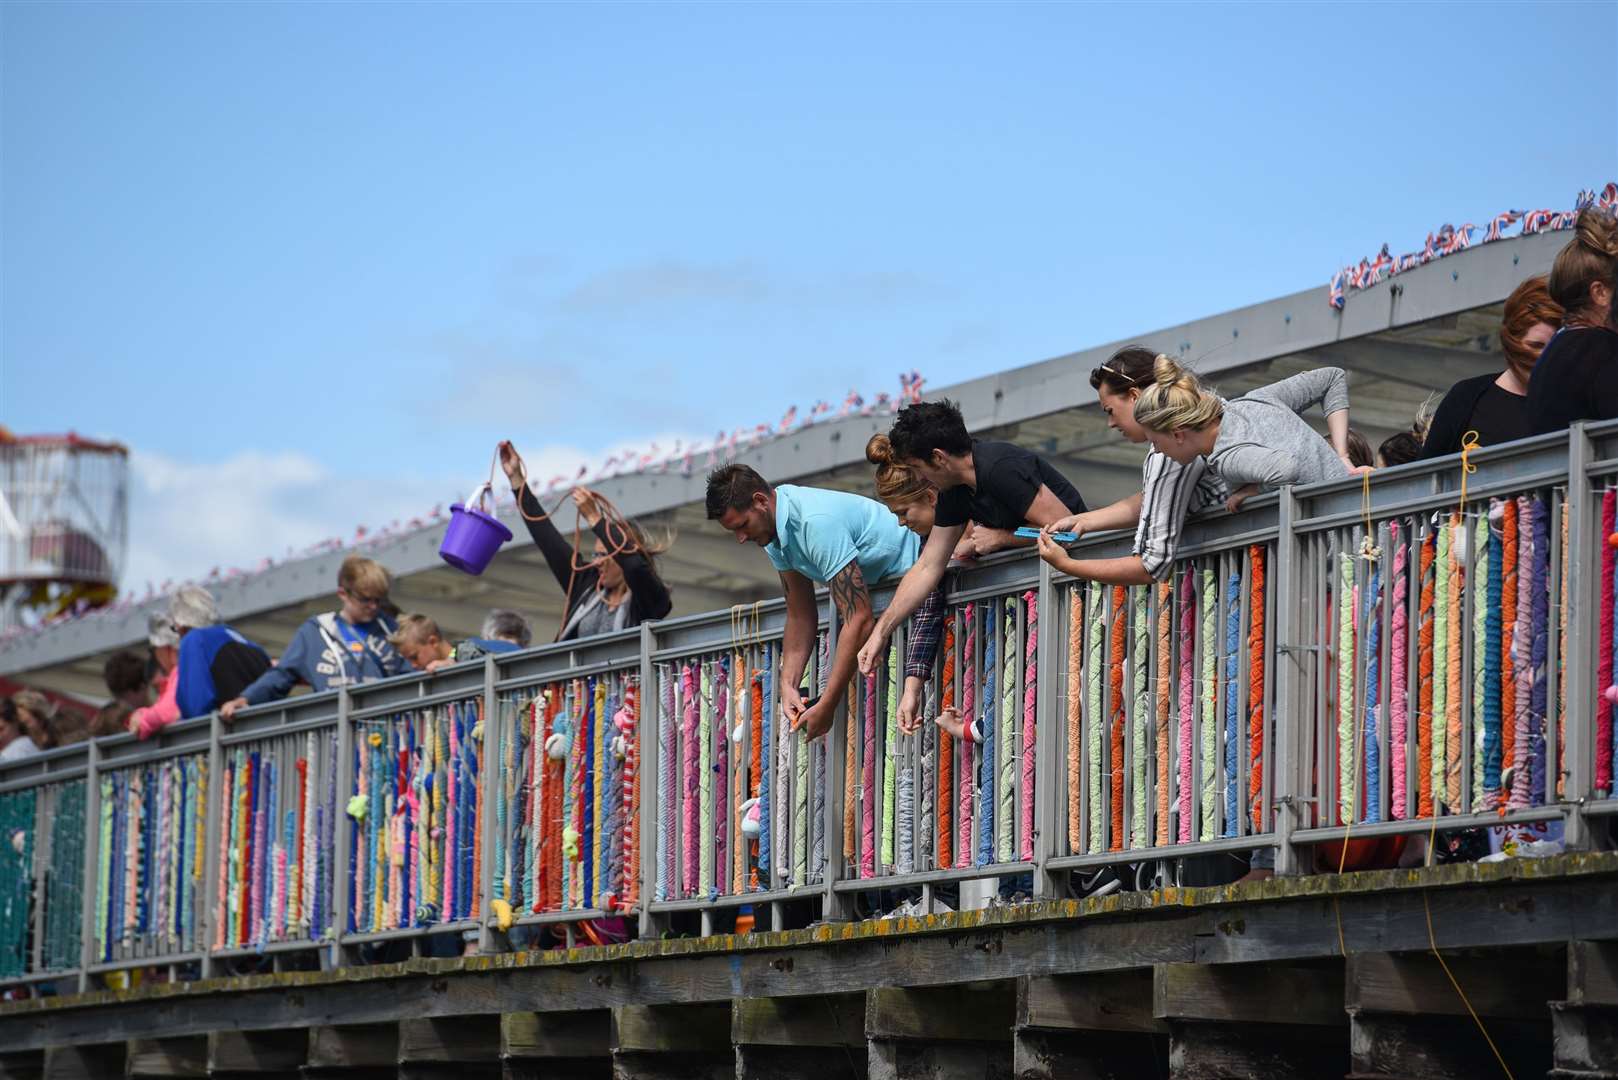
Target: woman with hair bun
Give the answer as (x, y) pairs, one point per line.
(1257, 442)
(914, 502)
(1169, 490)
(1577, 374)
(1496, 406)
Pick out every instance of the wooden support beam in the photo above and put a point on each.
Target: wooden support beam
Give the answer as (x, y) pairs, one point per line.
(1592, 972)
(583, 1033)
(28, 1065)
(827, 1020)
(1048, 1054)
(1508, 983)
(449, 1047)
(245, 1053)
(1203, 1051)
(1117, 1001)
(905, 1059)
(968, 1012)
(1584, 1041)
(84, 1061)
(1445, 1047)
(182, 1057)
(352, 1047)
(672, 1042)
(1281, 993)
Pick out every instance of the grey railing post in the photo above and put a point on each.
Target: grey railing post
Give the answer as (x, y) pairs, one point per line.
(92, 856)
(1580, 646)
(340, 903)
(833, 906)
(647, 769)
(1286, 777)
(489, 780)
(212, 826)
(1050, 654)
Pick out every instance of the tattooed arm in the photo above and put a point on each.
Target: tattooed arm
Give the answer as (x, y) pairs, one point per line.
(854, 622)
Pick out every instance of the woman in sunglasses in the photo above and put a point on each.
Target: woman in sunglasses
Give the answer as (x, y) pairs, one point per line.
(1169, 490)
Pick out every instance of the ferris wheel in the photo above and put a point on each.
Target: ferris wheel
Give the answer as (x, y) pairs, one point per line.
(64, 510)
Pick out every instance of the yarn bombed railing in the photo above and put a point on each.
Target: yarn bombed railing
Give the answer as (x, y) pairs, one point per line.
(41, 884)
(1349, 661)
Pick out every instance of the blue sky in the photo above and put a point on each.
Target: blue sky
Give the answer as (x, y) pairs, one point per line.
(311, 261)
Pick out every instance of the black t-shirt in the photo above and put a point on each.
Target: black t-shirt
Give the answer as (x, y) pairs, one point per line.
(1009, 478)
(1476, 404)
(1575, 379)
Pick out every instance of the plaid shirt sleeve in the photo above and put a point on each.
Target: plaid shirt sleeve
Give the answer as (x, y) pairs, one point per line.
(926, 629)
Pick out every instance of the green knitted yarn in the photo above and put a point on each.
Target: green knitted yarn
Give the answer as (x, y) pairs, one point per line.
(16, 879)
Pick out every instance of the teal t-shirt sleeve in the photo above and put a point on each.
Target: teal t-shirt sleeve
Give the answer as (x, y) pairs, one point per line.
(777, 560)
(828, 545)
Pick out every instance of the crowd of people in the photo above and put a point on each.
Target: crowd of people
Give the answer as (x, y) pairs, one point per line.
(943, 495)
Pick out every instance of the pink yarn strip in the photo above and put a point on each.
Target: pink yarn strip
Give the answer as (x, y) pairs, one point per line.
(1522, 654)
(969, 683)
(868, 783)
(1604, 664)
(688, 781)
(1399, 698)
(1188, 627)
(1030, 725)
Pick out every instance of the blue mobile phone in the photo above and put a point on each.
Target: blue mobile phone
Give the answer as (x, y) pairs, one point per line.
(1028, 532)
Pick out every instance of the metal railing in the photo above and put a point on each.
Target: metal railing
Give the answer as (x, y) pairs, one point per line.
(1344, 662)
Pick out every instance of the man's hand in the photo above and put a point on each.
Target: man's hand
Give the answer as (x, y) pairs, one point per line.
(871, 653)
(816, 720)
(589, 509)
(227, 711)
(791, 704)
(511, 461)
(987, 541)
(910, 707)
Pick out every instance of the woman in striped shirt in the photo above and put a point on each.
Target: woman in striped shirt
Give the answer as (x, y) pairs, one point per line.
(1169, 490)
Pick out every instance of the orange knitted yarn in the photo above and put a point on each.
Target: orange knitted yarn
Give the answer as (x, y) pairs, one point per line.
(1453, 744)
(945, 817)
(1424, 706)
(1508, 624)
(1165, 618)
(1255, 689)
(1115, 682)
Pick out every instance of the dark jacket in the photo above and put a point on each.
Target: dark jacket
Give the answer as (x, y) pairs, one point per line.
(648, 597)
(1453, 418)
(1575, 379)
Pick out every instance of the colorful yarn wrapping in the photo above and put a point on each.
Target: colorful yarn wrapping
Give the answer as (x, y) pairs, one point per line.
(944, 820)
(987, 774)
(1255, 689)
(148, 866)
(1480, 651)
(1561, 664)
(1096, 623)
(705, 771)
(1522, 648)
(1075, 718)
(800, 807)
(1347, 794)
(1540, 618)
(1208, 723)
(1426, 622)
(666, 872)
(890, 746)
(1373, 750)
(1489, 772)
(817, 820)
(781, 864)
(1454, 742)
(1165, 626)
(1441, 666)
(1116, 628)
(767, 795)
(720, 736)
(969, 675)
(1188, 626)
(868, 782)
(1508, 636)
(926, 747)
(1140, 713)
(1030, 720)
(1233, 638)
(1605, 711)
(18, 811)
(1010, 661)
(688, 782)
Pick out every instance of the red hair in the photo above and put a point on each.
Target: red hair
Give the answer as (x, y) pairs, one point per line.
(1528, 305)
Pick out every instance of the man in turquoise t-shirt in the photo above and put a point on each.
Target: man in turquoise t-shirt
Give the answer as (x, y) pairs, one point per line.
(814, 535)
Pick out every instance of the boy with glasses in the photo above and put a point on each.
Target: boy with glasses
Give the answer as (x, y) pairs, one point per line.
(338, 648)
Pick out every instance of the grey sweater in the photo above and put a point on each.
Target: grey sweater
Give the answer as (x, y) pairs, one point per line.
(1262, 439)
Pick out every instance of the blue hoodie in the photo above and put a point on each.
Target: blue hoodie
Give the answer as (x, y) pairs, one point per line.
(328, 652)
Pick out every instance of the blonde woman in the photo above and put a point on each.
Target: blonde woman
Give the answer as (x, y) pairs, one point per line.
(1256, 442)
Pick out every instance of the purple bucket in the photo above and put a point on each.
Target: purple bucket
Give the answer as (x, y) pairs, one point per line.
(474, 535)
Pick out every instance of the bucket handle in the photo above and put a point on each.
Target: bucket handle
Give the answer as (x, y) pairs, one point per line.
(485, 490)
